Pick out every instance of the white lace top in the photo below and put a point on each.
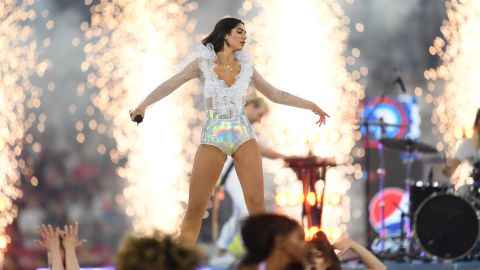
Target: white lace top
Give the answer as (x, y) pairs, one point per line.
(224, 100)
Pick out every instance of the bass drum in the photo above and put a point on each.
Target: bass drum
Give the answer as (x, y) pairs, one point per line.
(446, 227)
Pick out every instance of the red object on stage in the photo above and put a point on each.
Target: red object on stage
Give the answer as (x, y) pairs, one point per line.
(309, 170)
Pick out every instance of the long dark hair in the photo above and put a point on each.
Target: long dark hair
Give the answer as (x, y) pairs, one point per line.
(221, 29)
(259, 232)
(321, 243)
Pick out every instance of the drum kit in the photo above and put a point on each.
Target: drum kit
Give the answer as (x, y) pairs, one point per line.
(444, 225)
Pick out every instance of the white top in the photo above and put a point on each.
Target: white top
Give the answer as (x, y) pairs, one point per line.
(467, 151)
(217, 95)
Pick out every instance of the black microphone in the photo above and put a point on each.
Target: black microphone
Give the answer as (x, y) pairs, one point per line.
(138, 119)
(400, 82)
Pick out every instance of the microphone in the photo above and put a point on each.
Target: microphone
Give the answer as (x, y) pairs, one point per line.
(400, 82)
(138, 119)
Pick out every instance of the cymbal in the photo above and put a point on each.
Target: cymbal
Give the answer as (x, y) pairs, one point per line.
(383, 124)
(408, 145)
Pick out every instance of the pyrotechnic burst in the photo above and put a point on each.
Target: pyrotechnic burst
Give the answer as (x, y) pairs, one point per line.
(455, 108)
(300, 47)
(18, 100)
(132, 47)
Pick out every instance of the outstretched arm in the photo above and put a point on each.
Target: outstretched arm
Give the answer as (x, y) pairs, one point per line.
(278, 96)
(270, 153)
(166, 88)
(282, 97)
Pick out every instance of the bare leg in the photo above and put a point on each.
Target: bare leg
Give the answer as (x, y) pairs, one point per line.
(207, 167)
(248, 165)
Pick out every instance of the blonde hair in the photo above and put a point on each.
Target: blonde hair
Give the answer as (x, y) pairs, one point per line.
(257, 102)
(156, 252)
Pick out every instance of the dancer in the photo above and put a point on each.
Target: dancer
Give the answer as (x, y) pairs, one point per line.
(255, 109)
(226, 73)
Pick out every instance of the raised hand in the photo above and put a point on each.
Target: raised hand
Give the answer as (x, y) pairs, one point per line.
(50, 237)
(70, 236)
(343, 245)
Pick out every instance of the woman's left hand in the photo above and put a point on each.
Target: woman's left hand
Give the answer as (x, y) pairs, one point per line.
(323, 115)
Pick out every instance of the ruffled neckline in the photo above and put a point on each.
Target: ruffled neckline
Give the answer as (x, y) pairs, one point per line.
(208, 53)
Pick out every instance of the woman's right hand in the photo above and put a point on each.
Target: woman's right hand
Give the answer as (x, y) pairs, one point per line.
(343, 245)
(50, 237)
(138, 111)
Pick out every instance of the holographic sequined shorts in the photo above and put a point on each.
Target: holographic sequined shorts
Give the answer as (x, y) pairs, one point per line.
(226, 133)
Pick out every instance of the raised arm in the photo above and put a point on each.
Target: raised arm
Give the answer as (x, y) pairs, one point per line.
(166, 88)
(71, 242)
(51, 242)
(369, 260)
(282, 97)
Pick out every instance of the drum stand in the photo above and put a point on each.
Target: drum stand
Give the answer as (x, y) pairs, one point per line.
(381, 187)
(408, 170)
(405, 230)
(406, 237)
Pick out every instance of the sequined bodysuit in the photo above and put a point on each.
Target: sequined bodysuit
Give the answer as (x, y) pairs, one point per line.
(226, 125)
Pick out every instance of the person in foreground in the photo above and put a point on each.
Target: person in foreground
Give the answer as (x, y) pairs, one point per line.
(61, 246)
(226, 73)
(273, 242)
(322, 254)
(156, 252)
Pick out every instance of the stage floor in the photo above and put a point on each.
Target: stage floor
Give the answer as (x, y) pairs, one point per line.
(470, 265)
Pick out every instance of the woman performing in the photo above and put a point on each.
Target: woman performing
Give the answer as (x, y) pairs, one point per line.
(226, 73)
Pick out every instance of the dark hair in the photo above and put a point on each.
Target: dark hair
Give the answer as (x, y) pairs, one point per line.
(259, 232)
(476, 124)
(155, 253)
(321, 243)
(221, 29)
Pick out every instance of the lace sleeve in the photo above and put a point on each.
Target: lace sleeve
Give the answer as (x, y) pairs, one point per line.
(276, 95)
(188, 70)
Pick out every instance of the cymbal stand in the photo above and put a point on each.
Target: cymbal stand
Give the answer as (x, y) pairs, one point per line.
(381, 186)
(408, 170)
(368, 192)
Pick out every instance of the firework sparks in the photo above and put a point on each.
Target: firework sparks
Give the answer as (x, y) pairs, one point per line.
(455, 108)
(18, 101)
(300, 48)
(132, 47)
